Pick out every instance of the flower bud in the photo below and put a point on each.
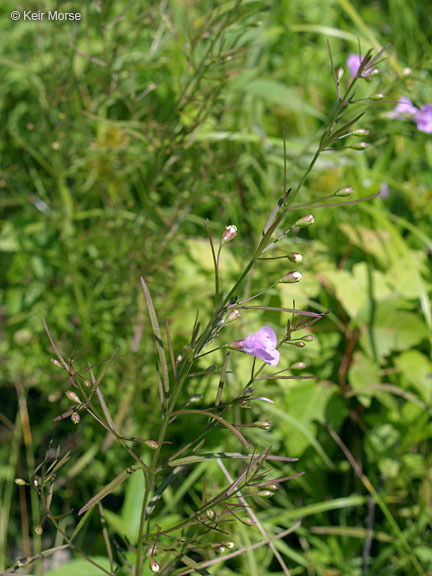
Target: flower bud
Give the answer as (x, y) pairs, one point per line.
(221, 548)
(233, 315)
(298, 366)
(295, 257)
(230, 545)
(249, 522)
(291, 277)
(347, 191)
(56, 363)
(360, 146)
(262, 424)
(151, 444)
(72, 396)
(20, 482)
(229, 234)
(38, 530)
(309, 338)
(377, 97)
(265, 494)
(339, 73)
(272, 487)
(360, 132)
(154, 566)
(75, 418)
(305, 221)
(87, 383)
(210, 513)
(300, 344)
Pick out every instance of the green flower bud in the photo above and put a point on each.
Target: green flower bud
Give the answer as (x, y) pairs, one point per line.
(20, 482)
(151, 444)
(360, 132)
(347, 191)
(265, 494)
(75, 418)
(56, 363)
(233, 315)
(305, 221)
(72, 396)
(263, 424)
(229, 234)
(295, 257)
(309, 338)
(298, 366)
(291, 277)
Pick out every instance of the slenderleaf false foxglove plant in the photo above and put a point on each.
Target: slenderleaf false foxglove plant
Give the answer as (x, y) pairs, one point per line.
(405, 109)
(261, 344)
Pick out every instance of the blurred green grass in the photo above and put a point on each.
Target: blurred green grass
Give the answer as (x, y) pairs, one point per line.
(120, 134)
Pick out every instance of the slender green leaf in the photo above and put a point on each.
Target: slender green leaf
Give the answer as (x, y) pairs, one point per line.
(158, 337)
(110, 487)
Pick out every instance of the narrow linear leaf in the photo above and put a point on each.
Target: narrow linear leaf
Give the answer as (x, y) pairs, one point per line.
(276, 377)
(158, 337)
(110, 487)
(190, 563)
(195, 458)
(102, 374)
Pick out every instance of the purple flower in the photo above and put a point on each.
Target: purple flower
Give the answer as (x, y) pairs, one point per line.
(384, 190)
(423, 119)
(404, 107)
(353, 62)
(261, 344)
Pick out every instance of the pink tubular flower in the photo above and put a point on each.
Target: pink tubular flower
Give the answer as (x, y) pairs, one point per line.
(353, 62)
(261, 344)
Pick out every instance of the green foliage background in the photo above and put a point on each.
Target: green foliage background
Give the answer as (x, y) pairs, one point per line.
(120, 135)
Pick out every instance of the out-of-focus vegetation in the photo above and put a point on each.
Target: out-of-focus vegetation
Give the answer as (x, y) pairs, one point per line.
(120, 135)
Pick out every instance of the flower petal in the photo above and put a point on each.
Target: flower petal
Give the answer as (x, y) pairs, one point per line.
(270, 357)
(265, 339)
(423, 119)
